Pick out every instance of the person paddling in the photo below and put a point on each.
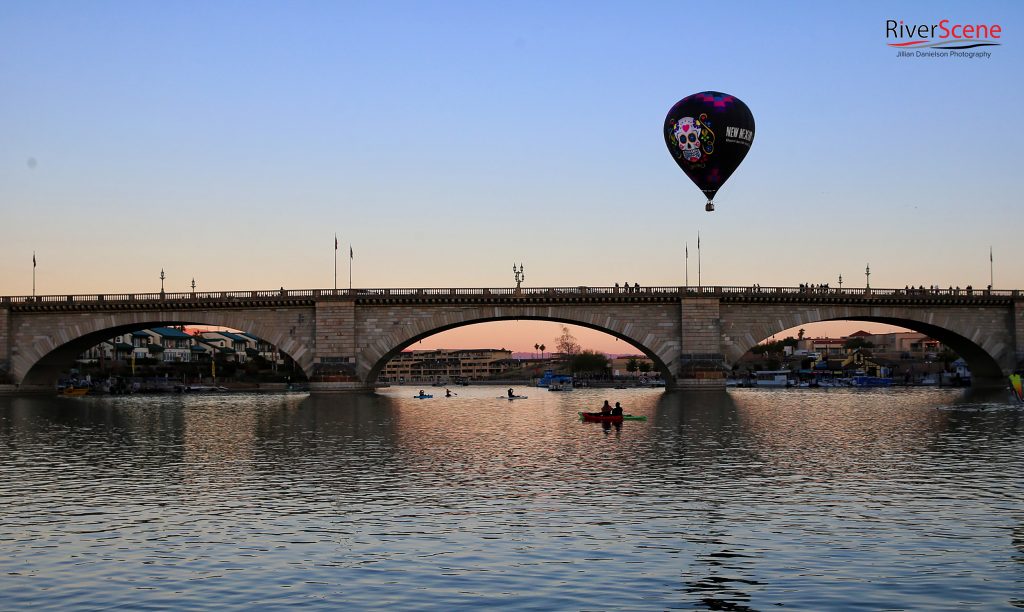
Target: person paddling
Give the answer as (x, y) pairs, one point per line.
(617, 410)
(511, 394)
(606, 410)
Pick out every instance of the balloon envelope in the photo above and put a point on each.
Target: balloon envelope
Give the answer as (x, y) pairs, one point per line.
(709, 134)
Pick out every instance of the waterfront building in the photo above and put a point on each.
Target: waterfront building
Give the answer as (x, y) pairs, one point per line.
(231, 346)
(448, 365)
(896, 345)
(824, 347)
(165, 344)
(170, 345)
(261, 348)
(905, 345)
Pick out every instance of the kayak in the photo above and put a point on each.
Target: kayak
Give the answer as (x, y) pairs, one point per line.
(512, 398)
(599, 418)
(424, 396)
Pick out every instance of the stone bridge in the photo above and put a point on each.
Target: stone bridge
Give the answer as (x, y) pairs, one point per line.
(343, 338)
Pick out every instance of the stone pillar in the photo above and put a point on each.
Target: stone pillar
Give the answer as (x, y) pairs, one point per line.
(5, 343)
(702, 364)
(334, 361)
(1018, 329)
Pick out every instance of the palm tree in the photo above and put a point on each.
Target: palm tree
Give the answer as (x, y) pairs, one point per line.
(536, 347)
(542, 347)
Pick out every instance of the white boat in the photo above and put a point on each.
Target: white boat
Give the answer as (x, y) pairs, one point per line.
(772, 378)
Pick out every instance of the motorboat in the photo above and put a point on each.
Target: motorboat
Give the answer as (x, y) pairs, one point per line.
(772, 378)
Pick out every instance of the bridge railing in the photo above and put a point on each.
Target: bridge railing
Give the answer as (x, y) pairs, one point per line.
(706, 290)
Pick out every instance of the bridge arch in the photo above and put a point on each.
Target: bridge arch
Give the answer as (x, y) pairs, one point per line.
(979, 337)
(644, 333)
(44, 351)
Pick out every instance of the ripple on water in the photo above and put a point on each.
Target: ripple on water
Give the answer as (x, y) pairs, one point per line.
(809, 499)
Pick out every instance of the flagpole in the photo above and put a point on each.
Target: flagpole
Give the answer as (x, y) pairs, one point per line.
(698, 259)
(350, 256)
(687, 251)
(335, 263)
(991, 275)
(33, 274)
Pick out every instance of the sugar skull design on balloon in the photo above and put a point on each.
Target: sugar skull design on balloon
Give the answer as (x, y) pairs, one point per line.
(706, 160)
(694, 137)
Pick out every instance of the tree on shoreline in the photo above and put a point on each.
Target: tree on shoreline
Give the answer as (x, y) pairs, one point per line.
(566, 343)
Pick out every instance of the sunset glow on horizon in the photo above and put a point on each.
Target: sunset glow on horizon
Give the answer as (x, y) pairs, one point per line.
(520, 336)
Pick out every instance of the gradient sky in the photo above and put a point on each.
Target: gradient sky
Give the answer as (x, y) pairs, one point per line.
(229, 141)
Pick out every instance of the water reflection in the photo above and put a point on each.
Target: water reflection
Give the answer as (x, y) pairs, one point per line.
(746, 500)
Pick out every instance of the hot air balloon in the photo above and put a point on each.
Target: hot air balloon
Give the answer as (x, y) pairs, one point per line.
(709, 134)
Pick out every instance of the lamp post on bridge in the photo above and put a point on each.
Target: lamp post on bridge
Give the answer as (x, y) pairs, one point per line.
(162, 277)
(193, 286)
(867, 278)
(840, 283)
(520, 277)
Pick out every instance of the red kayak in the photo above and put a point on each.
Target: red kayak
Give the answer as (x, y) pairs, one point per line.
(601, 418)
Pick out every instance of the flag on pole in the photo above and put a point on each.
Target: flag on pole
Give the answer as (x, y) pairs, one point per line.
(991, 268)
(686, 263)
(33, 259)
(698, 260)
(351, 253)
(335, 242)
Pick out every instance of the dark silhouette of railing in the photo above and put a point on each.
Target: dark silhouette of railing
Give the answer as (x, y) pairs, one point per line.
(513, 293)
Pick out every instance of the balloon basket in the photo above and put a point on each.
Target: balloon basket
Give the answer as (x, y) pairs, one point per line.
(710, 206)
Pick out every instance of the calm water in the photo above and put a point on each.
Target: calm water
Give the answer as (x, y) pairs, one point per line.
(802, 499)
